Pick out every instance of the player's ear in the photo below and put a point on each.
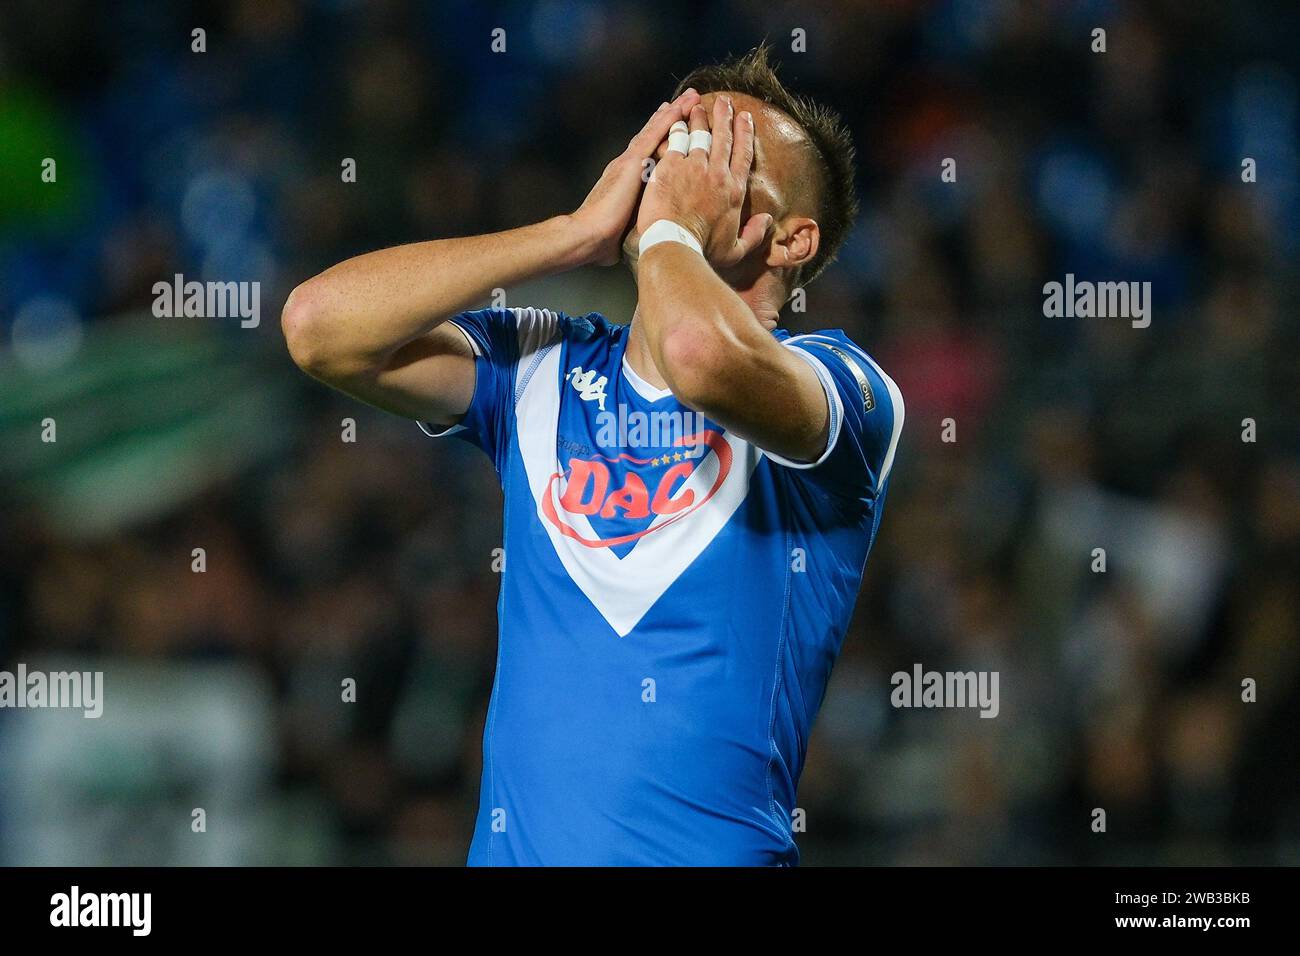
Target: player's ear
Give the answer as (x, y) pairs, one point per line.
(794, 243)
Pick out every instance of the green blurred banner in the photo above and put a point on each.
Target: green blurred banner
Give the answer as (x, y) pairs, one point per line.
(150, 413)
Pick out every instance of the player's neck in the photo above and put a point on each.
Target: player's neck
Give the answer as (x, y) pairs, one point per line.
(638, 355)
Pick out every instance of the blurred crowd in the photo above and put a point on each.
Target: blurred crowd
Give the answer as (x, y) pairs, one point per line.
(1031, 443)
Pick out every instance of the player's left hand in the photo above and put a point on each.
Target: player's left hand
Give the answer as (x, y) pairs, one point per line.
(704, 191)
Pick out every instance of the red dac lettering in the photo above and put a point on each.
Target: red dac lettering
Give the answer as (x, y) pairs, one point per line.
(583, 473)
(663, 504)
(587, 492)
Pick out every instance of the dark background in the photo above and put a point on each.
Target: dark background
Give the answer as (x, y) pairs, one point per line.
(373, 559)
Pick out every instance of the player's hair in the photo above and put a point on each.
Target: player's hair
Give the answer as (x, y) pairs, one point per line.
(831, 144)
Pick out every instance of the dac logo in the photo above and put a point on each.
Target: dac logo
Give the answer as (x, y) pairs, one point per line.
(588, 492)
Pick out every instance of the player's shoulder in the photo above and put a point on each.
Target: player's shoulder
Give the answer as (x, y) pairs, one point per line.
(589, 327)
(835, 349)
(531, 328)
(588, 339)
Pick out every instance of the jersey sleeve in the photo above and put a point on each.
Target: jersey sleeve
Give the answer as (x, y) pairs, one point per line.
(504, 342)
(866, 417)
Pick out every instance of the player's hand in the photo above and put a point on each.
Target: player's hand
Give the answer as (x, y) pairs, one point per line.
(705, 191)
(610, 208)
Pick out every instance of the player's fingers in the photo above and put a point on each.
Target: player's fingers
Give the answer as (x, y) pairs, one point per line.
(699, 118)
(723, 112)
(656, 128)
(651, 122)
(742, 150)
(752, 236)
(687, 100)
(701, 138)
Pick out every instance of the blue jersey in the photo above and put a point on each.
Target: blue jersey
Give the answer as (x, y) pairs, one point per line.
(672, 600)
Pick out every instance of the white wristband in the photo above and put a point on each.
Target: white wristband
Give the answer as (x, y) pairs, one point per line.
(665, 230)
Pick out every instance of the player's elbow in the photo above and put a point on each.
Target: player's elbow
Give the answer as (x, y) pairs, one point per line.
(695, 366)
(307, 327)
(300, 321)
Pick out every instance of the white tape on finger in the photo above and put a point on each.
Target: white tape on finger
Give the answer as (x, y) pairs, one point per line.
(701, 139)
(678, 138)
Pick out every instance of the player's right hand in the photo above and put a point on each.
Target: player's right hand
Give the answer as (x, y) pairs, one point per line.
(609, 210)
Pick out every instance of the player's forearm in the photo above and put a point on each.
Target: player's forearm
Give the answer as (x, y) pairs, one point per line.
(701, 334)
(358, 313)
(719, 359)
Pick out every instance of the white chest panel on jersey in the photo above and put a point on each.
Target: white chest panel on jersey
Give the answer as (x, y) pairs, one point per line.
(623, 589)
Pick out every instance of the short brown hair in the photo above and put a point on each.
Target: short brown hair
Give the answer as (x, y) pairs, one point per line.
(832, 144)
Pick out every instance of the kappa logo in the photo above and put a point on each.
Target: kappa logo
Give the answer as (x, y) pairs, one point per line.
(587, 490)
(587, 385)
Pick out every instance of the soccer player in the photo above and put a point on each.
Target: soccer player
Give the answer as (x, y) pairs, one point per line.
(689, 498)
